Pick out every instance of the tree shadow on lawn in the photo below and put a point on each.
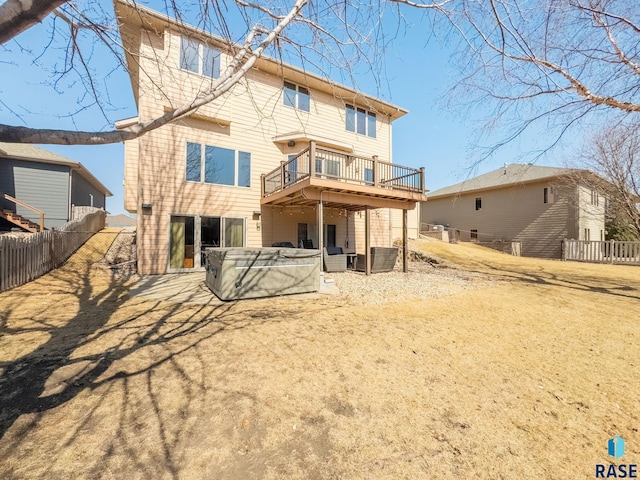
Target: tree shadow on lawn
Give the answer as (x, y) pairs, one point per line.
(85, 346)
(583, 283)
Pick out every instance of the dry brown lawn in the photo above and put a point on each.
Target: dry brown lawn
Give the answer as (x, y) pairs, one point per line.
(525, 375)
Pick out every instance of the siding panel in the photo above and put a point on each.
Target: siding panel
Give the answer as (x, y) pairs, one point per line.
(516, 213)
(42, 185)
(82, 190)
(256, 113)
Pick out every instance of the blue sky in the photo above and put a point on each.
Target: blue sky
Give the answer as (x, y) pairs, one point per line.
(418, 76)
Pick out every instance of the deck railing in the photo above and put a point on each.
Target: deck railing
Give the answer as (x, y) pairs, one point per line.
(610, 251)
(26, 205)
(342, 167)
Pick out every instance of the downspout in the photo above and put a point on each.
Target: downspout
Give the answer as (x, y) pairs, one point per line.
(389, 212)
(320, 226)
(70, 196)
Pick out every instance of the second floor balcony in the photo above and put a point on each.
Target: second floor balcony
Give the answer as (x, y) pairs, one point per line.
(356, 181)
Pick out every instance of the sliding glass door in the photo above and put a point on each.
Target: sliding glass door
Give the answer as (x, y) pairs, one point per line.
(189, 236)
(181, 242)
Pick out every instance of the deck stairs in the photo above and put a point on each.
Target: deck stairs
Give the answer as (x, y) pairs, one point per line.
(19, 221)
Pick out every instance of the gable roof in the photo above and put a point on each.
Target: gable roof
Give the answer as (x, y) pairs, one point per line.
(134, 14)
(509, 175)
(31, 153)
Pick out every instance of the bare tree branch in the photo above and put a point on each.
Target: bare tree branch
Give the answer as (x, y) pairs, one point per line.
(241, 63)
(16, 16)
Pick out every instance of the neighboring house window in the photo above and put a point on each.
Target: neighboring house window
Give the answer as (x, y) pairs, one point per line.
(478, 203)
(199, 58)
(296, 96)
(587, 234)
(602, 235)
(474, 235)
(595, 200)
(549, 194)
(360, 121)
(220, 166)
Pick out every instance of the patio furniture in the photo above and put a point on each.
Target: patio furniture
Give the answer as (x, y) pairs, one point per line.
(351, 260)
(334, 259)
(307, 243)
(283, 244)
(383, 259)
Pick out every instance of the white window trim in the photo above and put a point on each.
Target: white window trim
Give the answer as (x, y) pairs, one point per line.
(236, 167)
(366, 122)
(201, 47)
(297, 96)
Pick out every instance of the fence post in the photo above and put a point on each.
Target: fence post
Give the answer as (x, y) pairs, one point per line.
(52, 246)
(611, 251)
(564, 249)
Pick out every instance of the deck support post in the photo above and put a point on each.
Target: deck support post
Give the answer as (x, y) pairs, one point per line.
(367, 241)
(320, 230)
(405, 241)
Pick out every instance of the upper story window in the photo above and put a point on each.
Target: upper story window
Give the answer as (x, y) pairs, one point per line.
(199, 58)
(478, 203)
(360, 121)
(221, 166)
(296, 96)
(595, 198)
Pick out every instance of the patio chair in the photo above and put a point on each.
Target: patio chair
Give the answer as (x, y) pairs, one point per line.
(382, 260)
(334, 259)
(283, 244)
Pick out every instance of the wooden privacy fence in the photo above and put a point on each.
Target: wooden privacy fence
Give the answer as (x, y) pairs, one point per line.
(23, 259)
(611, 251)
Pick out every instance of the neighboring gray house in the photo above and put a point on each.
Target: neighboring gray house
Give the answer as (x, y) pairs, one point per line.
(45, 181)
(535, 205)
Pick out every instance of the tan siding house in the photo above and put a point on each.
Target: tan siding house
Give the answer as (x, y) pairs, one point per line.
(530, 204)
(255, 166)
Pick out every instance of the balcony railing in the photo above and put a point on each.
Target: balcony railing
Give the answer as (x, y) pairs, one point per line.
(328, 164)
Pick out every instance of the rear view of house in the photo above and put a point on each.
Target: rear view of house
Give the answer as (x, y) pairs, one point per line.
(534, 205)
(285, 156)
(35, 182)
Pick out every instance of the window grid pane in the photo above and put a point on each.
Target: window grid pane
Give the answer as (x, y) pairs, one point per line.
(233, 232)
(211, 62)
(304, 102)
(361, 122)
(289, 97)
(350, 118)
(219, 165)
(368, 175)
(371, 124)
(244, 169)
(194, 162)
(189, 57)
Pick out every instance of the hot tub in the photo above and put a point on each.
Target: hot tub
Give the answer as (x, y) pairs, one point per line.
(235, 273)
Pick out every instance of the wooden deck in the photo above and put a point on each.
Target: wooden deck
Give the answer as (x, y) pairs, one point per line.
(343, 181)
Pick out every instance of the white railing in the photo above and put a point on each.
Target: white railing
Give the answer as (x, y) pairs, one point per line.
(610, 251)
